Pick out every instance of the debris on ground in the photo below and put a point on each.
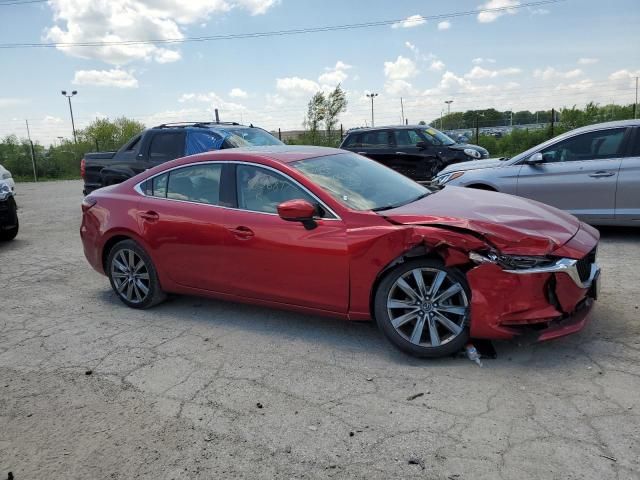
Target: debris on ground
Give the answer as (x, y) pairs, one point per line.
(369, 379)
(88, 372)
(351, 434)
(414, 396)
(613, 459)
(259, 405)
(313, 428)
(416, 461)
(472, 354)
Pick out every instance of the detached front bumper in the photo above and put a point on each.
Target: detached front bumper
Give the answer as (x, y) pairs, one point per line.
(554, 300)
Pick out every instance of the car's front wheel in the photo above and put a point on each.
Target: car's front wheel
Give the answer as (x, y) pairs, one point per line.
(422, 307)
(133, 276)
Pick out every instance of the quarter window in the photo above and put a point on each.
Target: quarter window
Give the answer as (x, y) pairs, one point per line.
(159, 185)
(197, 183)
(261, 190)
(588, 146)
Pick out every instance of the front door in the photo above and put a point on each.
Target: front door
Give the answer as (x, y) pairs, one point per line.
(276, 260)
(181, 217)
(579, 174)
(413, 161)
(628, 191)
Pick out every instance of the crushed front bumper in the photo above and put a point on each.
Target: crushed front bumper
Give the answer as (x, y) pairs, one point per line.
(554, 300)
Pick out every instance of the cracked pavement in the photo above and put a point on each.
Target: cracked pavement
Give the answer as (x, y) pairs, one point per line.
(198, 389)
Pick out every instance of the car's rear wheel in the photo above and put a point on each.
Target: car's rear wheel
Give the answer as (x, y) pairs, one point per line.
(133, 276)
(422, 307)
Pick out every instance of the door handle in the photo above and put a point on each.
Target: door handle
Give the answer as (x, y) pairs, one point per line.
(361, 153)
(602, 173)
(401, 153)
(150, 216)
(242, 233)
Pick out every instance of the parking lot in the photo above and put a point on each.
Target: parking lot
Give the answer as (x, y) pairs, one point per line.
(197, 388)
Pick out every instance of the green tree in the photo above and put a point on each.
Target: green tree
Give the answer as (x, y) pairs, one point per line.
(315, 114)
(335, 103)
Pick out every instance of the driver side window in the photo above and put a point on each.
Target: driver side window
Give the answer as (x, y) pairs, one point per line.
(261, 190)
(588, 146)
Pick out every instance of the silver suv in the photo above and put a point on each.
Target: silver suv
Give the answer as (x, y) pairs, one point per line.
(592, 172)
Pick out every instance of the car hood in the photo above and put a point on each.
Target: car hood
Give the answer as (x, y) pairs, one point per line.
(473, 165)
(462, 146)
(513, 225)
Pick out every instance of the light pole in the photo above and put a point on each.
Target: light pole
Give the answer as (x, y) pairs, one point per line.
(448, 102)
(73, 125)
(372, 96)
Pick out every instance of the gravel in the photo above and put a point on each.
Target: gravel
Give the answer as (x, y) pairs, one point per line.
(92, 389)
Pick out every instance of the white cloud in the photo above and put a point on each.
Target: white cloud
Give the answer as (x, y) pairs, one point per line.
(398, 87)
(410, 22)
(335, 75)
(296, 86)
(437, 66)
(106, 78)
(238, 93)
(488, 17)
(624, 74)
(444, 25)
(582, 85)
(588, 61)
(478, 72)
(551, 73)
(10, 102)
(401, 69)
(213, 100)
(480, 60)
(118, 20)
(51, 120)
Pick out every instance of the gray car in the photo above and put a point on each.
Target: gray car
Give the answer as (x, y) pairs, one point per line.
(592, 172)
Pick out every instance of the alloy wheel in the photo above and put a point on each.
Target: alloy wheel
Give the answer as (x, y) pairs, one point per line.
(130, 276)
(427, 307)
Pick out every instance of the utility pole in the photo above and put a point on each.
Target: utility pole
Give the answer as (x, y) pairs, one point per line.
(372, 96)
(441, 113)
(73, 125)
(33, 153)
(217, 115)
(635, 105)
(477, 128)
(553, 119)
(402, 109)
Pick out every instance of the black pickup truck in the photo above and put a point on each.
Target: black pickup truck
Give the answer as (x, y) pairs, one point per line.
(163, 143)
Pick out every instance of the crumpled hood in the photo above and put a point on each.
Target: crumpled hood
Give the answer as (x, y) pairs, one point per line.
(512, 224)
(472, 165)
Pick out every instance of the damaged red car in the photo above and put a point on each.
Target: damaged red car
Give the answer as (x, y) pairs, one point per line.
(324, 231)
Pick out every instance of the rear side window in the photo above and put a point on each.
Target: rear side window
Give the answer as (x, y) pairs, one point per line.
(166, 146)
(375, 139)
(157, 186)
(197, 183)
(352, 140)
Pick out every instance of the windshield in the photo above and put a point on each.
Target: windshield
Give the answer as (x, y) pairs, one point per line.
(248, 137)
(435, 137)
(360, 183)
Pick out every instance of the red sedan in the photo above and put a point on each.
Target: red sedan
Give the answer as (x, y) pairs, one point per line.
(324, 231)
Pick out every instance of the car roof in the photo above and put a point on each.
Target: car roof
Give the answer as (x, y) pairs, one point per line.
(599, 126)
(277, 153)
(386, 127)
(203, 125)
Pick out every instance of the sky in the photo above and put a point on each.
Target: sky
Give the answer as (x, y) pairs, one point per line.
(526, 57)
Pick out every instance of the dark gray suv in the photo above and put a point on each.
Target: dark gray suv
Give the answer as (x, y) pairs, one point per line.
(417, 151)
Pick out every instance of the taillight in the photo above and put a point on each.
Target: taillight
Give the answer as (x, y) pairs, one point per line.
(87, 203)
(82, 168)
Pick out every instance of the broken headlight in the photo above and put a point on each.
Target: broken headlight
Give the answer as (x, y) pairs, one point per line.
(512, 262)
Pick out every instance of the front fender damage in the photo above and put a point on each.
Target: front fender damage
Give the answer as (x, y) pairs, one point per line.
(503, 303)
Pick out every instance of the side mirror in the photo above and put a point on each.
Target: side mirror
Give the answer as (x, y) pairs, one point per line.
(421, 145)
(298, 210)
(535, 158)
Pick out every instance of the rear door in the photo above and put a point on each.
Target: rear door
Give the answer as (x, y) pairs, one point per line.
(164, 146)
(376, 144)
(628, 191)
(579, 174)
(181, 218)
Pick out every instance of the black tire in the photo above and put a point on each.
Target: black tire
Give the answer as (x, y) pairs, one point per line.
(388, 291)
(135, 277)
(10, 234)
